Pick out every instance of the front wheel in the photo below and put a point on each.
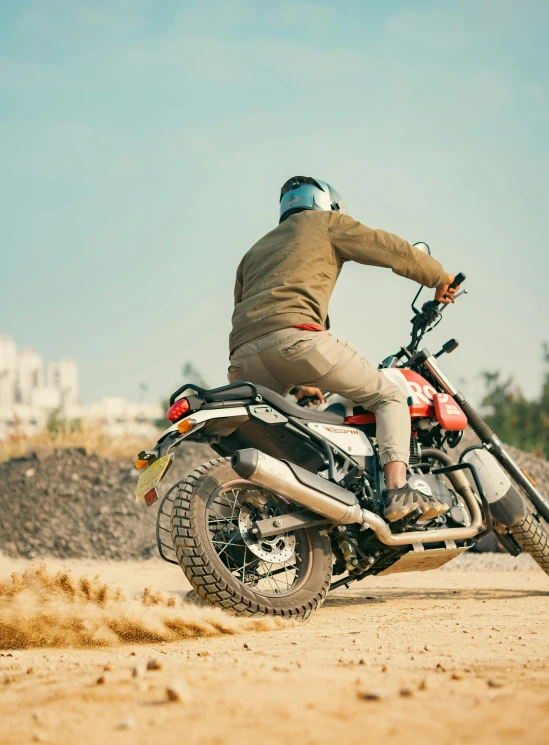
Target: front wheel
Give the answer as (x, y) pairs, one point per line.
(532, 536)
(285, 575)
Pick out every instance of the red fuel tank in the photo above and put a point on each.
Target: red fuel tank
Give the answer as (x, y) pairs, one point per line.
(423, 401)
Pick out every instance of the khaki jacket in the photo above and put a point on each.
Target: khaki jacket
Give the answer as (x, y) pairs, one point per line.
(288, 277)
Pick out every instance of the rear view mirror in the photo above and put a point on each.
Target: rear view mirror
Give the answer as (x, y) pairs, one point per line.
(424, 248)
(421, 246)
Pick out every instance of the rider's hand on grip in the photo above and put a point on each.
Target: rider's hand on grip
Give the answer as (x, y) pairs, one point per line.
(308, 392)
(445, 293)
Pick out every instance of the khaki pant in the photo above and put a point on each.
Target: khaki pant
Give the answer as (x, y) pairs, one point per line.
(291, 357)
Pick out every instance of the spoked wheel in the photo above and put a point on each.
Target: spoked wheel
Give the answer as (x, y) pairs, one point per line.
(269, 566)
(228, 564)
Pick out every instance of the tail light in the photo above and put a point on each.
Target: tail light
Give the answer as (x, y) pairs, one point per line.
(176, 411)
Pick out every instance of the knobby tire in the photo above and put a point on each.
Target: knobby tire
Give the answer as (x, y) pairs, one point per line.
(533, 538)
(211, 579)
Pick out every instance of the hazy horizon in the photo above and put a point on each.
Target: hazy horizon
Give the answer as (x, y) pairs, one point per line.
(144, 145)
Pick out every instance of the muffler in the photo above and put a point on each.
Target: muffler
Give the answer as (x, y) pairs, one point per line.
(298, 485)
(337, 504)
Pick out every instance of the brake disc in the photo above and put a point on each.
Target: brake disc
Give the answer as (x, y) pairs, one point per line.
(277, 549)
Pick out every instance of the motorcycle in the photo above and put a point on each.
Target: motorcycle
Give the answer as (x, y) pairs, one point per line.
(294, 499)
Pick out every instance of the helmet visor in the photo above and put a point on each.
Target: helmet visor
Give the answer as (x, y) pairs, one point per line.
(295, 182)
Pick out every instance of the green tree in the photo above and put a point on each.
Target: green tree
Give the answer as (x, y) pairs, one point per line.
(56, 425)
(516, 420)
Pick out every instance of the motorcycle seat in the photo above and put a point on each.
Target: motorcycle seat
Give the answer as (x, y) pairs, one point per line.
(298, 412)
(241, 392)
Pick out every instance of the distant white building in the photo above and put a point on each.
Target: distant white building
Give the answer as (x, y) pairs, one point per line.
(8, 371)
(63, 376)
(119, 417)
(30, 392)
(29, 375)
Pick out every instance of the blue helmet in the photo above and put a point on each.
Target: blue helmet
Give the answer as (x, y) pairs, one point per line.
(304, 193)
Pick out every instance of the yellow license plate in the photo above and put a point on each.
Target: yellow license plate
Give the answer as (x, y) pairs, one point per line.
(152, 476)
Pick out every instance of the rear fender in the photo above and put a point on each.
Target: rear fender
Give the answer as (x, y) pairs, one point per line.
(205, 415)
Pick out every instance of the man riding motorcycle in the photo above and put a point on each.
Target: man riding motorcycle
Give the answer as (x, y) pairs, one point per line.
(280, 337)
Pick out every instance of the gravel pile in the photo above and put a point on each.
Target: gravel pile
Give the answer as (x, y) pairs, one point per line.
(65, 503)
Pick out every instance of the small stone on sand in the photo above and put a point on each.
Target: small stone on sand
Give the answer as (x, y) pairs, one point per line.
(495, 683)
(128, 723)
(374, 694)
(178, 692)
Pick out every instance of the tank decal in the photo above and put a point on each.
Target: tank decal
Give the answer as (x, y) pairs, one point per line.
(449, 414)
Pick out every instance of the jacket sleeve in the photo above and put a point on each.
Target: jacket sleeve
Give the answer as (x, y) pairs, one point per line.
(239, 283)
(353, 241)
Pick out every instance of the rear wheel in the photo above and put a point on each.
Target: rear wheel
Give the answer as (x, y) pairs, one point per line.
(212, 516)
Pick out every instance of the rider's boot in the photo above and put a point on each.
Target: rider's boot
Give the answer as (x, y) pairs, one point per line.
(402, 502)
(435, 508)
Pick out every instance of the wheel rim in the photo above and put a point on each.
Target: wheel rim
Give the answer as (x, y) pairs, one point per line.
(272, 567)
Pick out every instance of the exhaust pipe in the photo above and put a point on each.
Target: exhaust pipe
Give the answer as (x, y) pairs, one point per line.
(337, 504)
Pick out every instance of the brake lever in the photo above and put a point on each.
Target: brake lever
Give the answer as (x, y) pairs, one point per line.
(463, 292)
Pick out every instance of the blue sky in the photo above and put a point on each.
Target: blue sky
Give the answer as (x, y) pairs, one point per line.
(143, 145)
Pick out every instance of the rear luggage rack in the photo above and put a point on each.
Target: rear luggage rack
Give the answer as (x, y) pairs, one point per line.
(218, 394)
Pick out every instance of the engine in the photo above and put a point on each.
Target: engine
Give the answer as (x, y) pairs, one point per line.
(434, 486)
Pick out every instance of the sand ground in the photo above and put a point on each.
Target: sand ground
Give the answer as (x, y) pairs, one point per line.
(448, 656)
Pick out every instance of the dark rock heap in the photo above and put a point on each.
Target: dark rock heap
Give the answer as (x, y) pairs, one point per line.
(64, 503)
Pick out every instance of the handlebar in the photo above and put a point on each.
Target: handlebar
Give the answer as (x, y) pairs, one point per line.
(430, 315)
(460, 278)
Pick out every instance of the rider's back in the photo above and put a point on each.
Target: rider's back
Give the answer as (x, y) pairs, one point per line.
(285, 279)
(288, 276)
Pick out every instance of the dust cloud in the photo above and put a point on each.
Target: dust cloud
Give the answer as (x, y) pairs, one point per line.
(41, 608)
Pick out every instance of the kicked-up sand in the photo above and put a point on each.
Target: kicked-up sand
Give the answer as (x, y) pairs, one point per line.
(441, 656)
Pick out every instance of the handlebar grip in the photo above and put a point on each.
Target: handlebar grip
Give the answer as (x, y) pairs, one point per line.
(460, 278)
